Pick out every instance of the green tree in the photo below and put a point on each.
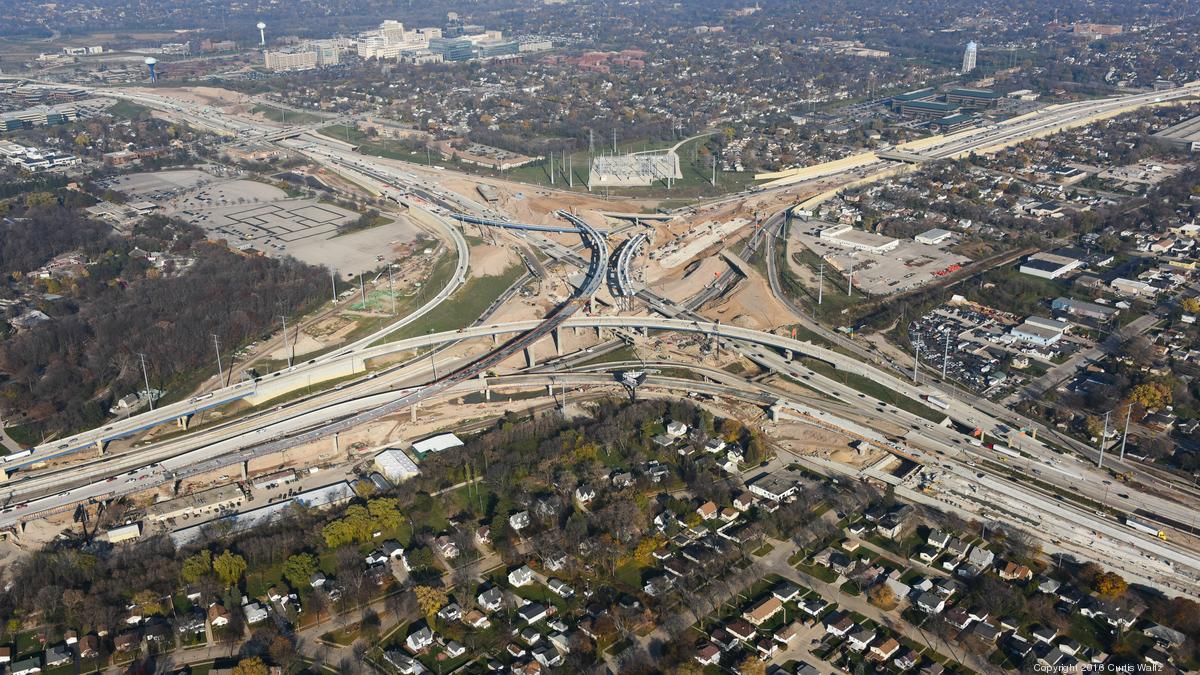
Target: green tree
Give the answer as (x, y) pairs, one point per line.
(196, 566)
(229, 567)
(337, 534)
(386, 513)
(298, 569)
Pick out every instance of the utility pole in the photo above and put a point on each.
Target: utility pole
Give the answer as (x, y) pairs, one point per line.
(570, 173)
(552, 167)
(432, 362)
(333, 284)
(916, 359)
(821, 281)
(614, 140)
(220, 370)
(1100, 465)
(850, 285)
(146, 379)
(362, 289)
(946, 356)
(1125, 436)
(392, 289)
(286, 350)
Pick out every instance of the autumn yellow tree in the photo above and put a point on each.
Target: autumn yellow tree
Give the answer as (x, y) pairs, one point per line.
(430, 600)
(1110, 584)
(882, 595)
(251, 666)
(1151, 395)
(1190, 305)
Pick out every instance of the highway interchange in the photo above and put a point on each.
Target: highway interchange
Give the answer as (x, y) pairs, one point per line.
(380, 393)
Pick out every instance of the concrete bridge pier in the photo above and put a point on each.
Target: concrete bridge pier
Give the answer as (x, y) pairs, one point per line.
(487, 391)
(530, 359)
(787, 354)
(101, 446)
(183, 421)
(246, 470)
(558, 341)
(412, 413)
(495, 339)
(337, 450)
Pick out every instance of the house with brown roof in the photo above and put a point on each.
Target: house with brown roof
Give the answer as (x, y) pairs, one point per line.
(218, 615)
(1014, 572)
(708, 510)
(885, 650)
(763, 611)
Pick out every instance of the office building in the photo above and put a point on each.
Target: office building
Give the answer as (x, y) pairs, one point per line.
(969, 55)
(290, 61)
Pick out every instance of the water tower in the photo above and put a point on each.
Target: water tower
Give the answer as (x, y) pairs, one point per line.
(262, 33)
(151, 63)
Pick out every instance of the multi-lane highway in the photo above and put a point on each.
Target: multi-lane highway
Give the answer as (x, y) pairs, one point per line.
(326, 415)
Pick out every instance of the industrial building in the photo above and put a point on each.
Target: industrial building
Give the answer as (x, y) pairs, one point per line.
(1088, 310)
(209, 502)
(123, 533)
(848, 237)
(934, 237)
(1183, 136)
(395, 465)
(437, 444)
(1054, 264)
(317, 498)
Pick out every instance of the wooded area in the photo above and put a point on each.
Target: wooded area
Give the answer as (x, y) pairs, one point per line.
(65, 373)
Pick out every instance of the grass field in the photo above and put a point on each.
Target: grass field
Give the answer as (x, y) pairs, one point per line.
(695, 183)
(463, 307)
(285, 116)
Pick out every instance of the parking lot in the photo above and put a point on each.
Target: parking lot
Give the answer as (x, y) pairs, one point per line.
(910, 265)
